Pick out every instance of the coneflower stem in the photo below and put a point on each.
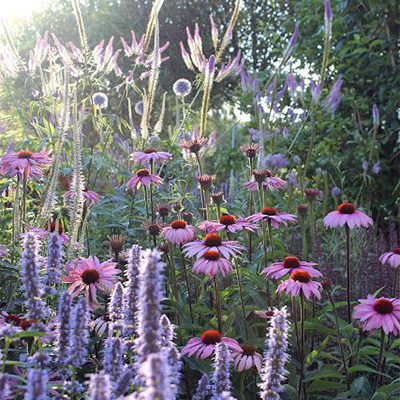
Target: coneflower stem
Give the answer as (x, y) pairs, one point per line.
(302, 339)
(264, 238)
(271, 240)
(218, 305)
(304, 238)
(348, 272)
(239, 279)
(339, 337)
(173, 273)
(146, 202)
(380, 357)
(24, 186)
(187, 285)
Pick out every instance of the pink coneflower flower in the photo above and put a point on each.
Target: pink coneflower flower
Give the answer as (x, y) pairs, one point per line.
(347, 214)
(288, 265)
(24, 161)
(90, 196)
(391, 257)
(212, 241)
(247, 359)
(89, 274)
(195, 144)
(379, 313)
(179, 232)
(264, 314)
(100, 325)
(204, 346)
(271, 214)
(151, 155)
(210, 263)
(300, 282)
(229, 223)
(250, 149)
(144, 177)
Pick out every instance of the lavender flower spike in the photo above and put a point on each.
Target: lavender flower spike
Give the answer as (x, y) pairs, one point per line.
(113, 357)
(36, 385)
(203, 388)
(4, 387)
(99, 387)
(30, 276)
(157, 384)
(273, 371)
(171, 352)
(131, 292)
(221, 379)
(150, 296)
(375, 115)
(53, 265)
(294, 37)
(328, 11)
(116, 305)
(63, 338)
(79, 333)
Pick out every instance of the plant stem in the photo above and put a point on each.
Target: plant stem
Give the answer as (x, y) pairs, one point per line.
(380, 357)
(349, 273)
(239, 279)
(218, 305)
(271, 241)
(24, 186)
(187, 285)
(264, 238)
(339, 338)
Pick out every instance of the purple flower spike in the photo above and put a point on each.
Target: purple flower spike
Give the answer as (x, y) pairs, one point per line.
(294, 37)
(375, 115)
(328, 11)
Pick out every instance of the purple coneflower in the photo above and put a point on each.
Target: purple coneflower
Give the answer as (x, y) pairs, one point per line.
(144, 177)
(179, 232)
(150, 155)
(288, 265)
(272, 214)
(300, 282)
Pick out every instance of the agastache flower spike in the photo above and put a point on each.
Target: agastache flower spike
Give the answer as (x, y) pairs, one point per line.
(36, 385)
(328, 11)
(375, 115)
(149, 313)
(30, 276)
(171, 352)
(275, 358)
(79, 333)
(116, 305)
(131, 292)
(113, 357)
(203, 388)
(4, 386)
(156, 374)
(221, 379)
(214, 33)
(63, 331)
(99, 387)
(53, 265)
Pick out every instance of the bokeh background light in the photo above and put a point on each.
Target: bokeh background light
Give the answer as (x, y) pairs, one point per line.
(20, 9)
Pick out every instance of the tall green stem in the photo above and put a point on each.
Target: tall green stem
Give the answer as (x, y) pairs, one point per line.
(339, 337)
(187, 285)
(349, 273)
(218, 305)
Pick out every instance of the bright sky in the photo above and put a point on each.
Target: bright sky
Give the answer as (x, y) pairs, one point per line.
(16, 9)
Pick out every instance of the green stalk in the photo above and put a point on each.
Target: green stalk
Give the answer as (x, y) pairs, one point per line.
(339, 336)
(349, 273)
(218, 305)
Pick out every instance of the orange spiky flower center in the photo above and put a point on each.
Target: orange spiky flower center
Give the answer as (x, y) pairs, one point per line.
(269, 211)
(301, 276)
(212, 255)
(291, 262)
(248, 350)
(227, 219)
(25, 154)
(346, 208)
(212, 239)
(178, 224)
(90, 276)
(211, 337)
(143, 173)
(383, 306)
(150, 150)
